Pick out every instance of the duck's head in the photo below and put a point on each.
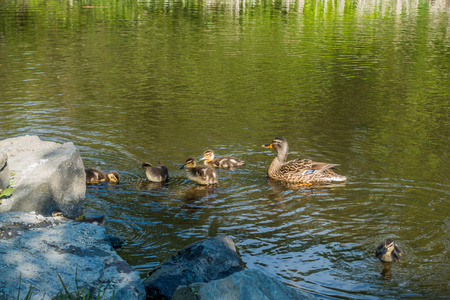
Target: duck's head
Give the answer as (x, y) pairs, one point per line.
(189, 163)
(208, 155)
(388, 246)
(113, 177)
(57, 213)
(278, 143)
(146, 165)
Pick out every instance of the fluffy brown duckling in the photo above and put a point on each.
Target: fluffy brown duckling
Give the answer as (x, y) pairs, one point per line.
(94, 176)
(158, 173)
(303, 171)
(389, 251)
(203, 175)
(225, 162)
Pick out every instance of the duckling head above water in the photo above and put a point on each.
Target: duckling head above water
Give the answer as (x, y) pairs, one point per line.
(389, 251)
(93, 220)
(226, 162)
(158, 173)
(203, 175)
(94, 176)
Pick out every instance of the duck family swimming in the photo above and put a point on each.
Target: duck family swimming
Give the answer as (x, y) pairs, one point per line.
(303, 171)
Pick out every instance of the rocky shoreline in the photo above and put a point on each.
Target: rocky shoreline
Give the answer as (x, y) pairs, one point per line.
(57, 255)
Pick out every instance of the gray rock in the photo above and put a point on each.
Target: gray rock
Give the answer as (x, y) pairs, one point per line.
(203, 261)
(35, 249)
(245, 285)
(4, 171)
(48, 176)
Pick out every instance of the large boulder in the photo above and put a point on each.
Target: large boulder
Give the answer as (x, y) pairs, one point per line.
(4, 171)
(244, 285)
(47, 176)
(203, 261)
(37, 251)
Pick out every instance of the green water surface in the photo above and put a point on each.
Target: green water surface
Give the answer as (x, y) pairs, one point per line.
(365, 84)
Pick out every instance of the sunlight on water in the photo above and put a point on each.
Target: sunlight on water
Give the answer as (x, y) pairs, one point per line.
(363, 84)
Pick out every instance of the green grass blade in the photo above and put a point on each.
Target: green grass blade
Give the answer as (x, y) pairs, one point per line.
(64, 286)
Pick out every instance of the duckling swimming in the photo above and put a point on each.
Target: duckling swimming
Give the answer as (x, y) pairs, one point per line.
(225, 162)
(203, 175)
(94, 176)
(158, 173)
(299, 170)
(389, 251)
(99, 221)
(93, 220)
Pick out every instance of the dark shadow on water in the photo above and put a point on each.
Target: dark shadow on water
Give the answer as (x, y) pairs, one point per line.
(386, 273)
(196, 197)
(149, 186)
(281, 186)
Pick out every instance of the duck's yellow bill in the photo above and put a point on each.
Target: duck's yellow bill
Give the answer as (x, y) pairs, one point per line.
(267, 146)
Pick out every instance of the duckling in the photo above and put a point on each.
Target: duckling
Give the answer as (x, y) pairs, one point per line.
(93, 220)
(226, 162)
(94, 175)
(303, 171)
(389, 251)
(203, 175)
(99, 221)
(57, 213)
(158, 173)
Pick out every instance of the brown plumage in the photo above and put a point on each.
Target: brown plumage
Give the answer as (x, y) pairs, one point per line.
(158, 173)
(299, 170)
(94, 176)
(389, 251)
(224, 162)
(203, 175)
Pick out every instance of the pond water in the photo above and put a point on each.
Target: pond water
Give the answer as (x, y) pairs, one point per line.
(365, 84)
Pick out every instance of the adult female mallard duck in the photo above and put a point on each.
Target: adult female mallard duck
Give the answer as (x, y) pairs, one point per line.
(303, 171)
(203, 175)
(225, 162)
(94, 176)
(389, 251)
(158, 173)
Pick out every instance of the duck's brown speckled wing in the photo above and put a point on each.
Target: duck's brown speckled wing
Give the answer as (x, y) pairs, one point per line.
(296, 166)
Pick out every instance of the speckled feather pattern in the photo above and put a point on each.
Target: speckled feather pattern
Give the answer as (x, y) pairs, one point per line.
(389, 254)
(299, 170)
(94, 176)
(225, 162)
(158, 173)
(203, 175)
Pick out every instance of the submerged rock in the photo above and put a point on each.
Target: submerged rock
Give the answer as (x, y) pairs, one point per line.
(244, 285)
(36, 249)
(203, 261)
(47, 176)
